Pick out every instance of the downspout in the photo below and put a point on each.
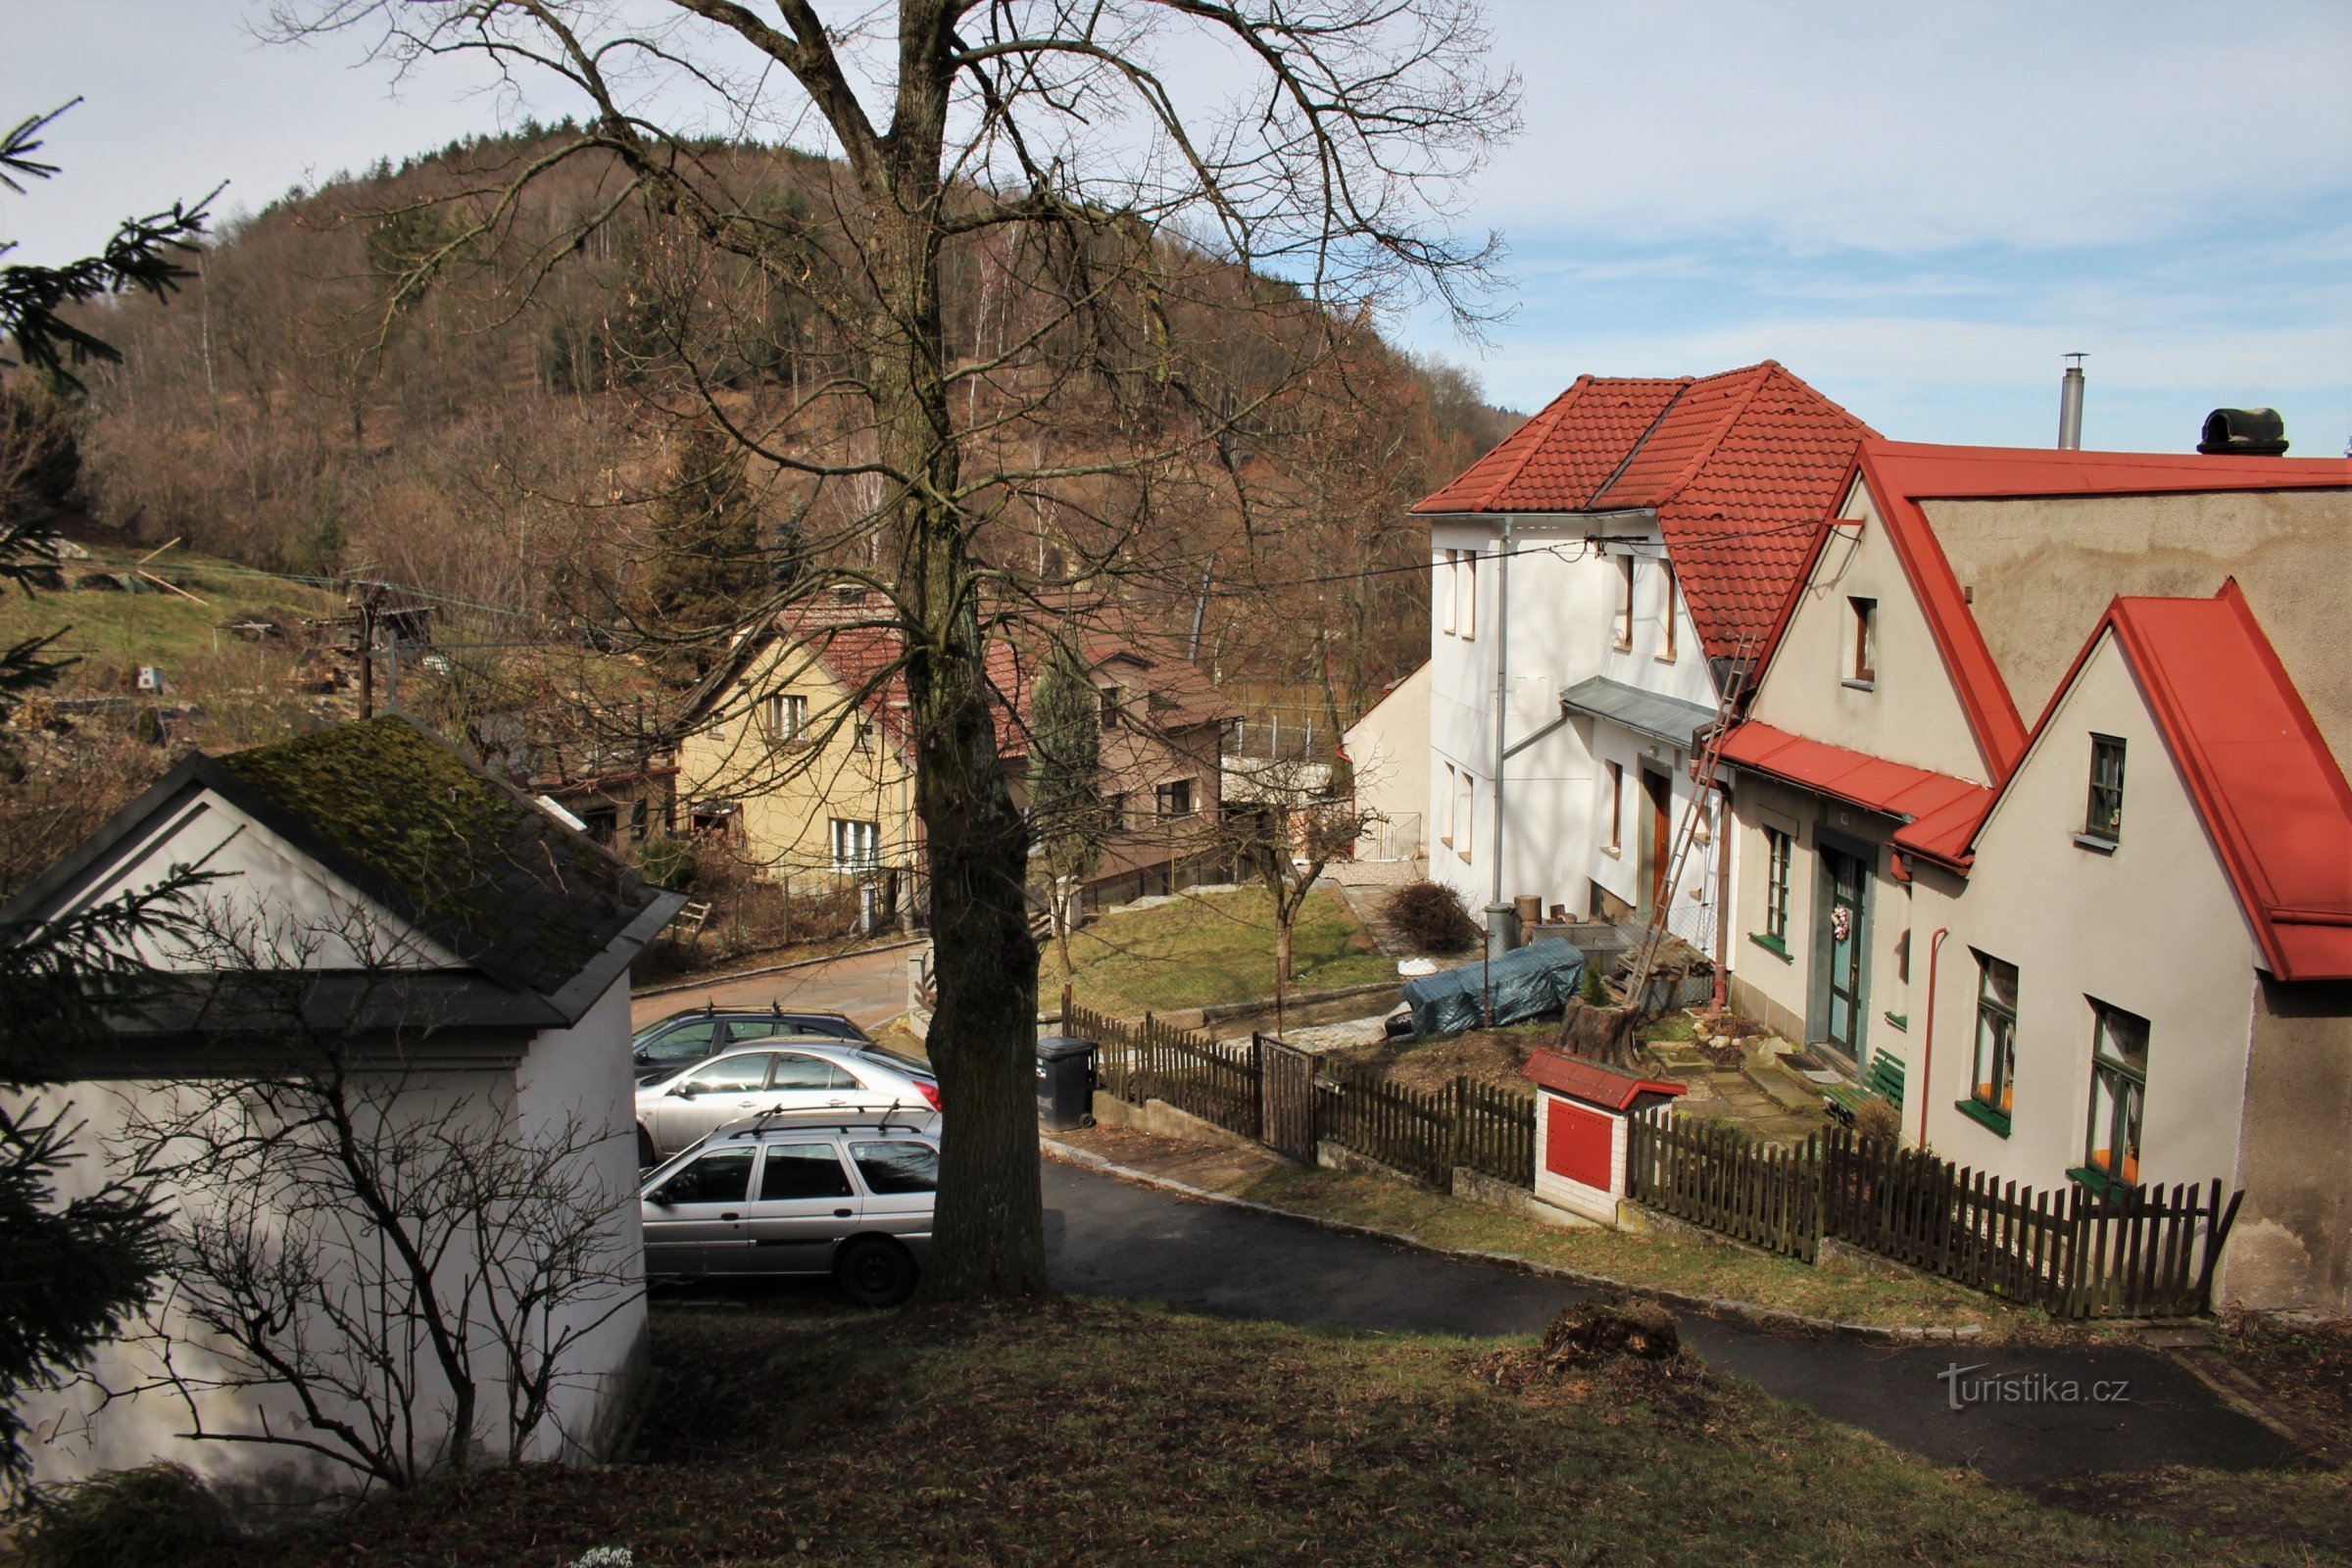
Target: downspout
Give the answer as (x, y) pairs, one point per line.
(1927, 1047)
(1498, 936)
(1723, 898)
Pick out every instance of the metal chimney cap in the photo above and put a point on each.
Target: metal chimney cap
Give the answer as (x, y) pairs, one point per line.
(2244, 433)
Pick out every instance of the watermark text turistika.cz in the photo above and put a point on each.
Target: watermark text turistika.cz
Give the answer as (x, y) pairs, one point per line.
(1962, 1388)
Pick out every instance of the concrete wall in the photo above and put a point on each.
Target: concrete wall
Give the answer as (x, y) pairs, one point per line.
(2041, 571)
(1389, 748)
(2293, 1242)
(1910, 711)
(2152, 927)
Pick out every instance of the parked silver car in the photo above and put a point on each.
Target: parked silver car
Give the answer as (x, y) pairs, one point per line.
(805, 1073)
(800, 1193)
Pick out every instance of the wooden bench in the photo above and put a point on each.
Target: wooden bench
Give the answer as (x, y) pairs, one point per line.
(1881, 1080)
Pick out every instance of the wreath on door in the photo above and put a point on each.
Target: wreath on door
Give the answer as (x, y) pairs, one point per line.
(1841, 923)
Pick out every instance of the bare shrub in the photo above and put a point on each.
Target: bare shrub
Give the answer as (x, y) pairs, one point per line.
(1430, 915)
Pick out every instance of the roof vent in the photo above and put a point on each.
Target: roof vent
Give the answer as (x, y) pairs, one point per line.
(2244, 433)
(2069, 405)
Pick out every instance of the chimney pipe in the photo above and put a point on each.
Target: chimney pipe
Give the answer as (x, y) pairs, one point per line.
(2069, 406)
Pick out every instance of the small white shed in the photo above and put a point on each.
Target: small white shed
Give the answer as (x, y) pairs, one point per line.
(1580, 1110)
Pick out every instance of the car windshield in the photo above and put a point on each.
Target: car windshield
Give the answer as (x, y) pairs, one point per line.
(884, 1056)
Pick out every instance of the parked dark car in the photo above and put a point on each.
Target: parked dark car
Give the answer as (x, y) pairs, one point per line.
(685, 1038)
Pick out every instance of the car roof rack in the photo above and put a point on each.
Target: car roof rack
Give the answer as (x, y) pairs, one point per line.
(820, 1118)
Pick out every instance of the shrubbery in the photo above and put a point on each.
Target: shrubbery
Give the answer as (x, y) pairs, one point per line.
(152, 1517)
(1430, 915)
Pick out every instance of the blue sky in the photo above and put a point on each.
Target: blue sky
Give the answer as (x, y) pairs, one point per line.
(1918, 208)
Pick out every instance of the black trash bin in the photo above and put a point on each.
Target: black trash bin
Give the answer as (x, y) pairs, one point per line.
(1065, 1082)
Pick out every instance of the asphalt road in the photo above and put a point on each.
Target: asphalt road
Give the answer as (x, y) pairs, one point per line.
(2028, 1415)
(871, 987)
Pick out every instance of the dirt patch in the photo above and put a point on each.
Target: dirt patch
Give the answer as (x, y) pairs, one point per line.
(1214, 1167)
(1490, 1055)
(2303, 1371)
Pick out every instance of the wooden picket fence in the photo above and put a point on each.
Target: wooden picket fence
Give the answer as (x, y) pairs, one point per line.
(1256, 1090)
(2146, 1254)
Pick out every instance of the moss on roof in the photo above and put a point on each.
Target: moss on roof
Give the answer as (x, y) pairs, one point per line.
(508, 888)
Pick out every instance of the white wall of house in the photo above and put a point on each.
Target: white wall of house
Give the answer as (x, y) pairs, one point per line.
(1565, 628)
(1908, 711)
(1390, 749)
(2152, 927)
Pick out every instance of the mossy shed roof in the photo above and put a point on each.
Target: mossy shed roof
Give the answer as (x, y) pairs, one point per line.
(449, 848)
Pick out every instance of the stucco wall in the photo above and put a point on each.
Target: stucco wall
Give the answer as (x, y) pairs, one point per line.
(2041, 571)
(2152, 928)
(2293, 1242)
(1389, 748)
(1910, 713)
(790, 793)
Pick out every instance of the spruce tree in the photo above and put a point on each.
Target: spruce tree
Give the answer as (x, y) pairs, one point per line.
(707, 565)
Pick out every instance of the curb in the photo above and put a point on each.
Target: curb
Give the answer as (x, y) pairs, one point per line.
(1750, 1312)
(672, 987)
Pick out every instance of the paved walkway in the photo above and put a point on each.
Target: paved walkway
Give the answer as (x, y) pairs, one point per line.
(1110, 1237)
(871, 987)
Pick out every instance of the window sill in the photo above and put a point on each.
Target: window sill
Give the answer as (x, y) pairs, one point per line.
(1860, 685)
(1614, 851)
(1772, 945)
(2094, 842)
(1980, 1112)
(1667, 659)
(1900, 1021)
(2097, 1182)
(1620, 647)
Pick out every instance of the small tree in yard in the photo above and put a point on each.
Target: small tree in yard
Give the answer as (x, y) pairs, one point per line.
(1065, 790)
(1283, 826)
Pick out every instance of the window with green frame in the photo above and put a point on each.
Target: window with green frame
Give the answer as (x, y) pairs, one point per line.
(2119, 1092)
(2105, 817)
(1780, 851)
(1993, 1085)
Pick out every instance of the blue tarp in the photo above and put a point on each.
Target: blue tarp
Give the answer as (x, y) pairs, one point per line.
(1528, 984)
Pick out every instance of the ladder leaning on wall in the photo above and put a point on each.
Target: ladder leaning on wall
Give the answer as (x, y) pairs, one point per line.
(1704, 769)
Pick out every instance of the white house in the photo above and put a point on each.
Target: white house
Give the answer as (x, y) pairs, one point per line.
(1649, 530)
(1389, 751)
(392, 931)
(2146, 976)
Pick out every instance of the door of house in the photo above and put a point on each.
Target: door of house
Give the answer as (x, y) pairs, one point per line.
(1657, 842)
(1843, 938)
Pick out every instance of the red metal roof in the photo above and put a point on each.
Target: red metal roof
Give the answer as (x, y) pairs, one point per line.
(1740, 467)
(1591, 1082)
(2272, 796)
(1939, 813)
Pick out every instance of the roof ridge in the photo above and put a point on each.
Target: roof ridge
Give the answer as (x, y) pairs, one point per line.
(1551, 414)
(1634, 451)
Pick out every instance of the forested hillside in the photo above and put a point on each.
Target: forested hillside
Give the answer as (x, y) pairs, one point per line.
(508, 403)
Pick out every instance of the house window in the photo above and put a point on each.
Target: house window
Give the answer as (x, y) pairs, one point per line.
(1779, 853)
(1615, 773)
(864, 740)
(1174, 799)
(1446, 591)
(638, 815)
(1446, 810)
(2105, 818)
(601, 821)
(1866, 641)
(856, 846)
(1666, 649)
(785, 718)
(1992, 1086)
(1469, 588)
(1625, 602)
(1463, 806)
(1110, 706)
(1114, 814)
(2118, 1092)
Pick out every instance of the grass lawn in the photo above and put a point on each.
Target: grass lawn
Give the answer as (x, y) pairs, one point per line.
(788, 1430)
(124, 630)
(1219, 946)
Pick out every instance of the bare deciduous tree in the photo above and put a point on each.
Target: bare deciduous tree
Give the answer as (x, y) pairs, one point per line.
(1133, 171)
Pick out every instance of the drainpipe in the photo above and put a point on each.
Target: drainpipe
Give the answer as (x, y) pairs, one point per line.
(1927, 1049)
(1501, 915)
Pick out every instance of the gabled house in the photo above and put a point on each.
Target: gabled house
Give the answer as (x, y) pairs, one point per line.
(388, 917)
(2147, 977)
(1388, 756)
(1942, 596)
(798, 750)
(1649, 530)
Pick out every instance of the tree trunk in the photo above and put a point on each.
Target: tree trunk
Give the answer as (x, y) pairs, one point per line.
(990, 1224)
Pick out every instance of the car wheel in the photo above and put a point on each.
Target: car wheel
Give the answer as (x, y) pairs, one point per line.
(873, 1272)
(647, 1156)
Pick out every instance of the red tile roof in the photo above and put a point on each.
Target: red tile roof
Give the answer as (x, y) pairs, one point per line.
(1741, 469)
(1591, 1082)
(1939, 813)
(1903, 474)
(2272, 797)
